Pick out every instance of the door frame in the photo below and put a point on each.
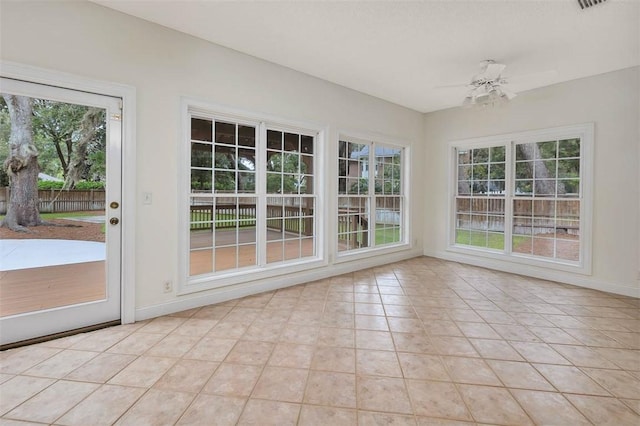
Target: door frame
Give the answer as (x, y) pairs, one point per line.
(127, 93)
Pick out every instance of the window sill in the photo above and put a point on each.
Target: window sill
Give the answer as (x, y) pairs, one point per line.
(365, 253)
(252, 274)
(564, 266)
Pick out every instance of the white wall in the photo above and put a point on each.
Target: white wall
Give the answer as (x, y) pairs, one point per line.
(611, 101)
(164, 65)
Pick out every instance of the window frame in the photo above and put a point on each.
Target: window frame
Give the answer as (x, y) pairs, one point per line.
(405, 191)
(585, 132)
(199, 109)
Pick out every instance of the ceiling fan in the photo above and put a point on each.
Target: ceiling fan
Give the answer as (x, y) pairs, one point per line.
(487, 88)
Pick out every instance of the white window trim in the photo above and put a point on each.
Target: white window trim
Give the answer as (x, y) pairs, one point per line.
(585, 132)
(404, 243)
(192, 106)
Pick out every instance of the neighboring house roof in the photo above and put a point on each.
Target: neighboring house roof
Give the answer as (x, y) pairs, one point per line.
(381, 151)
(46, 177)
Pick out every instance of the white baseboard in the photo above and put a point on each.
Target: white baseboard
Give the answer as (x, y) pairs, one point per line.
(196, 300)
(542, 273)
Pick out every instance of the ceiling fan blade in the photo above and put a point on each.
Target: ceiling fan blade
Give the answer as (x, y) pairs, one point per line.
(533, 79)
(508, 93)
(448, 86)
(492, 72)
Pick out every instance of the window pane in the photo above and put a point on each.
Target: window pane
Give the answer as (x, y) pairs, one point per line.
(201, 180)
(522, 244)
(479, 205)
(274, 140)
(306, 164)
(290, 184)
(306, 145)
(225, 157)
(481, 155)
(479, 187)
(464, 156)
(568, 188)
(568, 250)
(246, 182)
(524, 187)
(225, 133)
(246, 136)
(496, 187)
(546, 149)
(496, 171)
(524, 170)
(569, 148)
(497, 154)
(201, 155)
(523, 208)
(463, 205)
(201, 130)
(246, 159)
(274, 183)
(464, 187)
(545, 187)
(569, 168)
(225, 258)
(291, 142)
(306, 184)
(480, 172)
(200, 262)
(464, 172)
(225, 181)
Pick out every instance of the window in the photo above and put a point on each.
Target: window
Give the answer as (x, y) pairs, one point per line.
(524, 195)
(370, 195)
(480, 200)
(252, 199)
(546, 207)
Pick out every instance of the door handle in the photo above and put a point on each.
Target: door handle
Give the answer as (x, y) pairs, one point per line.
(114, 221)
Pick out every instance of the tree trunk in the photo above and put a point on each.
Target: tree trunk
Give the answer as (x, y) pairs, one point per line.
(21, 166)
(531, 152)
(78, 162)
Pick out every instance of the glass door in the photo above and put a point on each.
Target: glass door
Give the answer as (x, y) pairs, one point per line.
(60, 194)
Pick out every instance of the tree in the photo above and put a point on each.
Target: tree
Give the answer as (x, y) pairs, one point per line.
(535, 153)
(78, 166)
(73, 134)
(21, 166)
(292, 180)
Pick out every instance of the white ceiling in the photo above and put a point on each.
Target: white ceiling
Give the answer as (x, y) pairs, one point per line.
(400, 51)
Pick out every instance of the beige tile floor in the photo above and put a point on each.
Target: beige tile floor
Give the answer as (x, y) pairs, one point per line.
(418, 342)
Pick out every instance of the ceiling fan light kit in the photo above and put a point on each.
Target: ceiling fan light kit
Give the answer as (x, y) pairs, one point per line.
(487, 95)
(487, 87)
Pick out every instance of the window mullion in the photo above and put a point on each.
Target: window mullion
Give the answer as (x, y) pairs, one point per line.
(509, 195)
(371, 235)
(261, 191)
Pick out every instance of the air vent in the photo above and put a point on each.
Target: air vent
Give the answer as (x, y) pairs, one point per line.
(588, 3)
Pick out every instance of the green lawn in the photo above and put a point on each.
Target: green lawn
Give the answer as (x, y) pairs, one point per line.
(483, 239)
(62, 215)
(387, 235)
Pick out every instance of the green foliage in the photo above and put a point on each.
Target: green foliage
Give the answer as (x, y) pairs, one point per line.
(56, 130)
(85, 185)
(292, 180)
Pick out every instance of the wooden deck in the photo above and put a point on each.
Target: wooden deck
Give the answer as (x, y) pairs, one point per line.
(244, 255)
(35, 289)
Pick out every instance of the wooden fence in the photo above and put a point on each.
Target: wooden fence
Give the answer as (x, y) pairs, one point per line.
(56, 200)
(294, 219)
(530, 216)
